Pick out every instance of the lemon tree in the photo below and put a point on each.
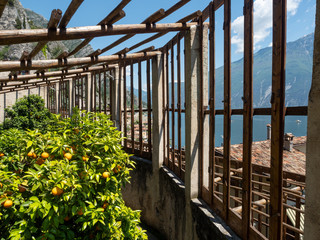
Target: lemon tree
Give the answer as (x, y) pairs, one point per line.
(66, 183)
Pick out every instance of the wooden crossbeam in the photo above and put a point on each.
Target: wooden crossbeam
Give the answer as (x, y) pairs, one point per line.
(8, 37)
(155, 16)
(117, 18)
(3, 4)
(115, 12)
(73, 7)
(53, 63)
(42, 73)
(150, 19)
(52, 25)
(62, 55)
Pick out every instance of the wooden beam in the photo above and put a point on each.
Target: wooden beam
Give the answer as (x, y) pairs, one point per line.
(154, 17)
(62, 55)
(73, 7)
(80, 46)
(8, 37)
(52, 25)
(115, 11)
(148, 49)
(53, 63)
(191, 16)
(117, 18)
(227, 109)
(95, 53)
(24, 55)
(247, 117)
(174, 8)
(3, 4)
(53, 74)
(277, 117)
(149, 19)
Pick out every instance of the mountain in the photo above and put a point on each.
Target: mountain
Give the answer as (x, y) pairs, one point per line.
(15, 16)
(298, 76)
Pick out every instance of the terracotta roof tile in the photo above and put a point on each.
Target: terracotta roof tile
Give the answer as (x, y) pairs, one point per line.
(294, 161)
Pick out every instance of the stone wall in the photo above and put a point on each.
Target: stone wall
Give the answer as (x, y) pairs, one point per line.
(166, 212)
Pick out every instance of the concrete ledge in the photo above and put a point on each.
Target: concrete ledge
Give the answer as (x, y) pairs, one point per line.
(208, 223)
(166, 211)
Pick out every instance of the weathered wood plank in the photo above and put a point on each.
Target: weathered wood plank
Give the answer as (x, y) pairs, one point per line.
(247, 117)
(277, 117)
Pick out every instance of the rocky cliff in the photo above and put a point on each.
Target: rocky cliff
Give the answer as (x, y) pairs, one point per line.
(15, 16)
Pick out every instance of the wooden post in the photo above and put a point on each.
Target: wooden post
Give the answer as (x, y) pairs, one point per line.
(71, 90)
(247, 117)
(227, 109)
(277, 117)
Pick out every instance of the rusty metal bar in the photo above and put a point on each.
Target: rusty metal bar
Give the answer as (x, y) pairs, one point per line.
(149, 105)
(227, 109)
(132, 107)
(247, 117)
(277, 117)
(140, 107)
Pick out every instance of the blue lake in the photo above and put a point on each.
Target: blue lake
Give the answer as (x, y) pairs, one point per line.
(297, 125)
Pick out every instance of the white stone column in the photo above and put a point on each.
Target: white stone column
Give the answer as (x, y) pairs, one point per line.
(312, 214)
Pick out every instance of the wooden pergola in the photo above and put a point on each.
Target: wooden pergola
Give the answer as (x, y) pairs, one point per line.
(230, 189)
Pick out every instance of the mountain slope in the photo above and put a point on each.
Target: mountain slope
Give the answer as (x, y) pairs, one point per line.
(298, 76)
(15, 16)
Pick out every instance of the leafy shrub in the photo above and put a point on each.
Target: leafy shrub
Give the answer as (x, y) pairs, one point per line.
(28, 112)
(66, 183)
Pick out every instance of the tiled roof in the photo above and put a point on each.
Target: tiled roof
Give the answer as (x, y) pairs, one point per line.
(294, 161)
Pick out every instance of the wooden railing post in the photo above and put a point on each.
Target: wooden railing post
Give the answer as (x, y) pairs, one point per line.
(71, 94)
(57, 98)
(277, 117)
(88, 92)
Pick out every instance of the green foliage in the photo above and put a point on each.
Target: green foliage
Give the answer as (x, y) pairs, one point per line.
(28, 112)
(4, 52)
(44, 50)
(32, 25)
(18, 23)
(88, 206)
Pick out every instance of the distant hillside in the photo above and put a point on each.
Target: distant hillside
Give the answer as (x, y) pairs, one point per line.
(298, 76)
(15, 16)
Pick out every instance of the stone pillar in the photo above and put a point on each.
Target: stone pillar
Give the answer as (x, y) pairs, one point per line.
(312, 214)
(116, 98)
(157, 121)
(192, 98)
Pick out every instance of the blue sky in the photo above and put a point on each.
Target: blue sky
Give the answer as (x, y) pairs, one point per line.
(301, 15)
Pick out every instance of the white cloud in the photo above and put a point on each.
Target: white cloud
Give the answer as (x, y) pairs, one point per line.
(262, 22)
